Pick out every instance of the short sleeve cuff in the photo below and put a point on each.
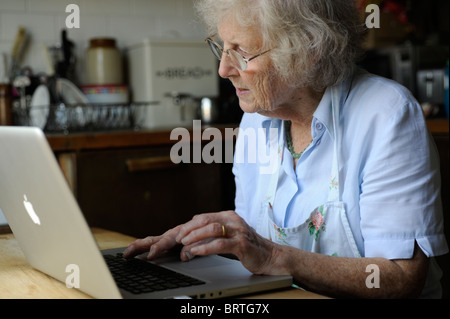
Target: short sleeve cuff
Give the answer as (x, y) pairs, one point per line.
(433, 245)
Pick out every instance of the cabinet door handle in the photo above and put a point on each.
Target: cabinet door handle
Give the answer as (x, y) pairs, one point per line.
(150, 164)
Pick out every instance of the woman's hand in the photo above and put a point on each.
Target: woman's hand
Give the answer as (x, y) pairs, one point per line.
(204, 235)
(214, 233)
(154, 245)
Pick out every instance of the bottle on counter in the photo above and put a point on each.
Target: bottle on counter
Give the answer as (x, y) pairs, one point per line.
(103, 62)
(6, 117)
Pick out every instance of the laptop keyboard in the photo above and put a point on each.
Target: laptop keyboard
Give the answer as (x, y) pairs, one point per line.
(138, 276)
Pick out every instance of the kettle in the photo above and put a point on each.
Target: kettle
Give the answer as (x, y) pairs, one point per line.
(208, 110)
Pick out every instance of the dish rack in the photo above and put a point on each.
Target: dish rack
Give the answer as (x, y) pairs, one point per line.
(70, 118)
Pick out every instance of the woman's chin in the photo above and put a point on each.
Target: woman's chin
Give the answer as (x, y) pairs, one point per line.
(249, 107)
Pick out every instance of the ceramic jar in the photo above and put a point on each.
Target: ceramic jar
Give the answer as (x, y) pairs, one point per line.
(103, 62)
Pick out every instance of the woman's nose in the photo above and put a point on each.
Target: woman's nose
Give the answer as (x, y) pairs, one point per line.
(226, 68)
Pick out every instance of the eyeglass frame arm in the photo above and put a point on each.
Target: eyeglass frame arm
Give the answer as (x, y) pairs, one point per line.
(222, 49)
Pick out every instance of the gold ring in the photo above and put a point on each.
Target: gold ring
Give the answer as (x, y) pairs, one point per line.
(224, 231)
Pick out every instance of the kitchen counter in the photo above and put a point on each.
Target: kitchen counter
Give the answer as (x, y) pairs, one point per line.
(438, 126)
(119, 139)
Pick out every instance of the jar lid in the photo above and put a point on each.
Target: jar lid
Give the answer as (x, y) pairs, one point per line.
(102, 42)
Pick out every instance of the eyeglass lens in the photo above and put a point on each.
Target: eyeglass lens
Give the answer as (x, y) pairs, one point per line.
(215, 49)
(236, 59)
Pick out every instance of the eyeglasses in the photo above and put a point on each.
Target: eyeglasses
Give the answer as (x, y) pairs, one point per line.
(238, 61)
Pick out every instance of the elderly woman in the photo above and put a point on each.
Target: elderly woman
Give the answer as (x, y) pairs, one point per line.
(356, 180)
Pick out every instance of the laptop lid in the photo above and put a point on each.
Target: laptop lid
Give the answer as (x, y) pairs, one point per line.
(55, 238)
(44, 215)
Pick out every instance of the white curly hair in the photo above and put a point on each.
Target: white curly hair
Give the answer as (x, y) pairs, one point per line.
(315, 43)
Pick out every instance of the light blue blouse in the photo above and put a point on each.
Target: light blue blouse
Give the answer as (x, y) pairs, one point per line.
(389, 171)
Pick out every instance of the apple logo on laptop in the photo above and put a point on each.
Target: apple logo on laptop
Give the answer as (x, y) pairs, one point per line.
(30, 210)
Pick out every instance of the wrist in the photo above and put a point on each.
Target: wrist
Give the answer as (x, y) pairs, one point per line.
(280, 261)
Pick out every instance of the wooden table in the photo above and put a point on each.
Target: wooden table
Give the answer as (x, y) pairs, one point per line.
(18, 280)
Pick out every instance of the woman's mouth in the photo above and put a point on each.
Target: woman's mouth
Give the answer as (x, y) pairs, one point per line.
(241, 92)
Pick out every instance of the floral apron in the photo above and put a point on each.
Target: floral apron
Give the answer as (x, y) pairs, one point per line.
(326, 230)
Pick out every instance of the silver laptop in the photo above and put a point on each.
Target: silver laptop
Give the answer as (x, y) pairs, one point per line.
(55, 238)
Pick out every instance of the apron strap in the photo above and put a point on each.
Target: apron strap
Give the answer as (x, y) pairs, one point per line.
(276, 144)
(333, 194)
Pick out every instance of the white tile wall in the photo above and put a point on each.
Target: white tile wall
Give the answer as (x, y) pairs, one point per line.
(129, 21)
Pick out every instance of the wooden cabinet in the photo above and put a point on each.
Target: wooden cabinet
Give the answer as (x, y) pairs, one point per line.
(127, 182)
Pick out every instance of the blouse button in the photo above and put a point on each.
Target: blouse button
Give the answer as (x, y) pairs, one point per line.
(319, 126)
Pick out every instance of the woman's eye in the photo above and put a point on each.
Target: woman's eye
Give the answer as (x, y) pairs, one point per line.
(242, 52)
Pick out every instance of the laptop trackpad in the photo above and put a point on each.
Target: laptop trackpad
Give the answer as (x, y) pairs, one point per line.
(205, 267)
